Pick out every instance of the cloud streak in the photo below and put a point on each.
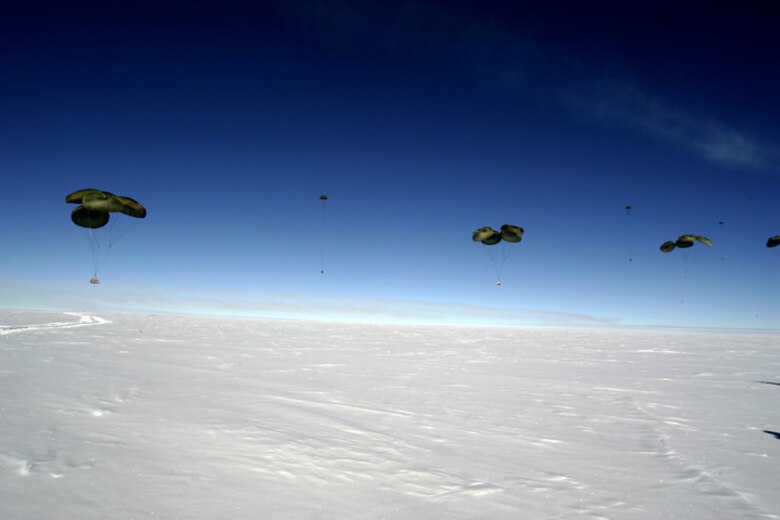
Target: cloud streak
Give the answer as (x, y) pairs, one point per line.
(491, 52)
(152, 300)
(634, 109)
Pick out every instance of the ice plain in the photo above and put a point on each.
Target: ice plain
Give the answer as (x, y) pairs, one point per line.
(169, 417)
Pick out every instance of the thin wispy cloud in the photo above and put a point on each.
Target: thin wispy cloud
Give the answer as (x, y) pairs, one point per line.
(151, 300)
(637, 110)
(496, 55)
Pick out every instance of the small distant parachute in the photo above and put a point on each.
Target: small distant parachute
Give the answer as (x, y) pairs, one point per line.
(629, 232)
(323, 203)
(773, 241)
(509, 234)
(93, 213)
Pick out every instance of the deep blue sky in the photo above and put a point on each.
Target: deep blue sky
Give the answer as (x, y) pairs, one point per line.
(421, 121)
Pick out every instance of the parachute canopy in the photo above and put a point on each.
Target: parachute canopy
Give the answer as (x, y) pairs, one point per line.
(487, 235)
(773, 241)
(510, 233)
(95, 206)
(683, 242)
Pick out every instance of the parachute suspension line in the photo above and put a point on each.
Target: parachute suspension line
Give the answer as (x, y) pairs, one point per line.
(495, 256)
(101, 240)
(322, 241)
(687, 257)
(694, 254)
(501, 257)
(629, 234)
(117, 231)
(498, 261)
(95, 242)
(684, 288)
(498, 255)
(686, 283)
(682, 261)
(93, 247)
(323, 203)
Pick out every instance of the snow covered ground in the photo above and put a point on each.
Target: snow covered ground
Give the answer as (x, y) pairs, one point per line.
(120, 417)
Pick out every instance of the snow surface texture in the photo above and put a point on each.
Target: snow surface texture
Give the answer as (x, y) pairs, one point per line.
(195, 418)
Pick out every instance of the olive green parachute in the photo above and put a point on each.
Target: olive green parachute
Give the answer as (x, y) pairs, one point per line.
(487, 235)
(83, 217)
(510, 233)
(684, 242)
(773, 241)
(95, 206)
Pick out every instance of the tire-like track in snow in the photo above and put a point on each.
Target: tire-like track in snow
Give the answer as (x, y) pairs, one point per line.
(84, 320)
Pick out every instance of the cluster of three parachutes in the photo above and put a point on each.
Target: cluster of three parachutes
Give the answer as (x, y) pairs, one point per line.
(94, 214)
